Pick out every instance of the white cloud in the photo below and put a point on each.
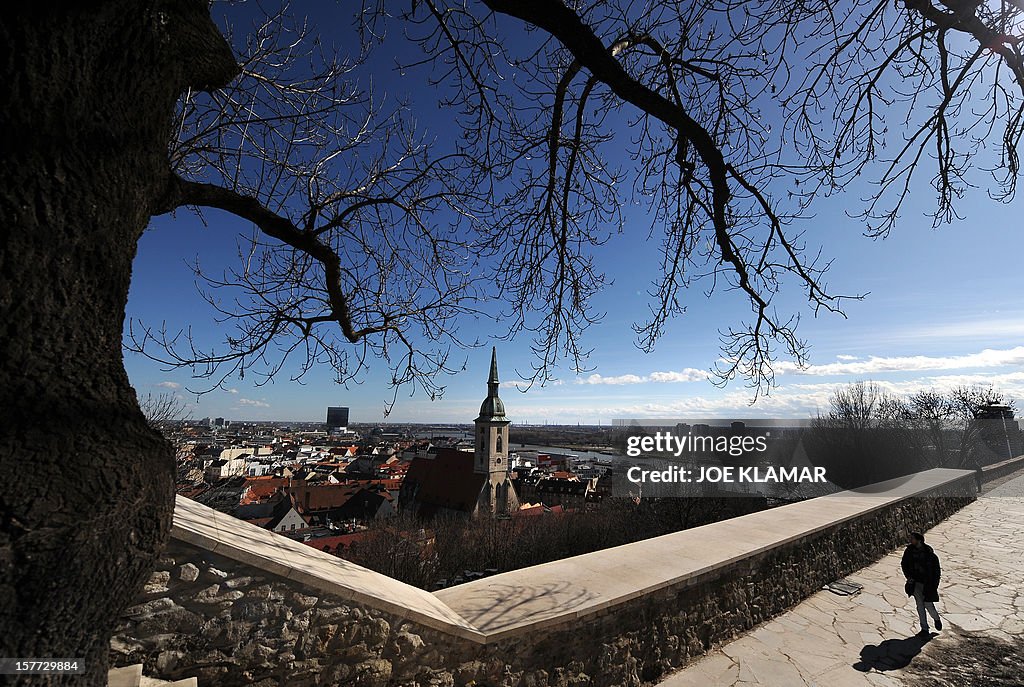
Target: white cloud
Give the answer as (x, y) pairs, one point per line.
(732, 405)
(937, 382)
(688, 374)
(523, 384)
(620, 379)
(231, 391)
(847, 357)
(1007, 325)
(875, 364)
(168, 385)
(794, 400)
(801, 397)
(1002, 382)
(253, 403)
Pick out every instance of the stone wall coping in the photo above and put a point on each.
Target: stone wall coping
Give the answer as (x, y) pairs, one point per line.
(1006, 465)
(565, 591)
(246, 543)
(553, 594)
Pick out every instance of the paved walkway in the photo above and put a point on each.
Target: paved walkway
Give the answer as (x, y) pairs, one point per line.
(868, 639)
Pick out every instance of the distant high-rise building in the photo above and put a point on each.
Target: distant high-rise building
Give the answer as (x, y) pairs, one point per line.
(337, 418)
(219, 422)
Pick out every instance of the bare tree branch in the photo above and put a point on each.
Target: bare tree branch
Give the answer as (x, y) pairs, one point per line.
(722, 121)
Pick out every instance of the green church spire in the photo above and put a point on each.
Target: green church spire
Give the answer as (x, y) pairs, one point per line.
(492, 408)
(492, 381)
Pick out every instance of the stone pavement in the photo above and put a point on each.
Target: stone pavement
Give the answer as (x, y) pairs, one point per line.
(868, 639)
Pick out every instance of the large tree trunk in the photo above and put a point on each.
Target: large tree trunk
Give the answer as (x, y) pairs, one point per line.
(86, 100)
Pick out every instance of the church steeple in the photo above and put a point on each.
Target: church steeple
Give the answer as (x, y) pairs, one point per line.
(498, 494)
(492, 381)
(492, 409)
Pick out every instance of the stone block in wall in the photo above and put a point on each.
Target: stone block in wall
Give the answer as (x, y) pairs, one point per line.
(230, 624)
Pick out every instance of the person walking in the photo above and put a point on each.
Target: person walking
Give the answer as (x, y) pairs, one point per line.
(921, 568)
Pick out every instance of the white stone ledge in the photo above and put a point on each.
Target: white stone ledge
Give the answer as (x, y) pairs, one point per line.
(1001, 469)
(566, 591)
(554, 594)
(246, 543)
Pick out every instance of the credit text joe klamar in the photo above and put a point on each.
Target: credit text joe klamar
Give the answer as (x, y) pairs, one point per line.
(666, 443)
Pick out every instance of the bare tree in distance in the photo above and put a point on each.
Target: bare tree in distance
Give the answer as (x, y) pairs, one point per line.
(867, 436)
(163, 407)
(956, 426)
(981, 438)
(724, 121)
(870, 434)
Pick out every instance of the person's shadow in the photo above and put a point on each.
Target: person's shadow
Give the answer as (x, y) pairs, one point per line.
(891, 654)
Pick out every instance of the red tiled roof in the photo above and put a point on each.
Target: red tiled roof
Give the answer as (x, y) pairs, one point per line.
(344, 541)
(259, 522)
(389, 484)
(447, 481)
(262, 488)
(539, 509)
(194, 491)
(312, 497)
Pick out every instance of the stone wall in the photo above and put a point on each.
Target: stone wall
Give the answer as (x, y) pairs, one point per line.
(228, 623)
(1002, 469)
(642, 640)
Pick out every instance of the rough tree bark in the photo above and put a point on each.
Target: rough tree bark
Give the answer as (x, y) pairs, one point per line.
(87, 93)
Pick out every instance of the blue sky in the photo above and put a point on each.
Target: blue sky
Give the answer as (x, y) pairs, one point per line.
(944, 308)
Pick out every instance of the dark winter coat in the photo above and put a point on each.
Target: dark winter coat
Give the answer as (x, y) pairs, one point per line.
(920, 564)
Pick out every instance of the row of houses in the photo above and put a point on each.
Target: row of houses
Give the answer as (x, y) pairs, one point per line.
(326, 495)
